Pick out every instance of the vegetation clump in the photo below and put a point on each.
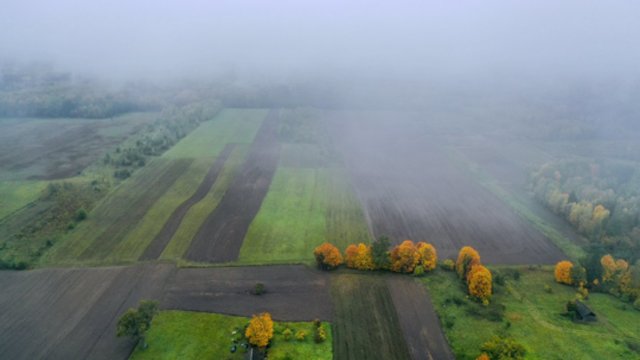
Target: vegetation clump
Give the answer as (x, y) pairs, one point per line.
(260, 330)
(135, 323)
(328, 256)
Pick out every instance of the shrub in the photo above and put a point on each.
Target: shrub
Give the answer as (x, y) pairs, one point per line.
(301, 335)
(503, 348)
(448, 265)
(258, 289)
(320, 334)
(548, 289)
(81, 214)
(287, 334)
(327, 256)
(428, 256)
(418, 271)
(359, 257)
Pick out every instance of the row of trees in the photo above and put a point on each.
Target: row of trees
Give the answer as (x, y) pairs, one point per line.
(610, 275)
(407, 257)
(601, 199)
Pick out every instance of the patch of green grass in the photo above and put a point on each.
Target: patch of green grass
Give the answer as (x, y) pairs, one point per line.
(303, 208)
(365, 320)
(532, 316)
(194, 335)
(229, 126)
(17, 194)
(198, 213)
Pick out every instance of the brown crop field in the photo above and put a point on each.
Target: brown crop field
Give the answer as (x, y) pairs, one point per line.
(411, 189)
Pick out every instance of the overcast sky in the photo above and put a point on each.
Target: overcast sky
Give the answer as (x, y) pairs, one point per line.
(127, 38)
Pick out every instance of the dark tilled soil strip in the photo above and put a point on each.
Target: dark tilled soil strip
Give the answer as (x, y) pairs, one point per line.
(72, 313)
(220, 237)
(161, 240)
(418, 320)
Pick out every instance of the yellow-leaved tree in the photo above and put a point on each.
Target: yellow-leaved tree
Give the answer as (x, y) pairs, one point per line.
(479, 283)
(260, 330)
(563, 272)
(404, 257)
(428, 255)
(359, 257)
(467, 258)
(327, 256)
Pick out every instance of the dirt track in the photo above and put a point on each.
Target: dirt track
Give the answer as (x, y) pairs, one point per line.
(411, 189)
(155, 248)
(418, 320)
(72, 313)
(220, 237)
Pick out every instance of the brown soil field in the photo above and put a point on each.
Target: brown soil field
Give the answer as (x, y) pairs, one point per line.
(418, 320)
(155, 248)
(72, 313)
(220, 237)
(410, 188)
(60, 148)
(292, 292)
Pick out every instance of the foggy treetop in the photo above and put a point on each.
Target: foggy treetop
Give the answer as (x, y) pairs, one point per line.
(406, 39)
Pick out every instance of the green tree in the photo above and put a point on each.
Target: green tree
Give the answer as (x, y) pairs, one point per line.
(134, 323)
(503, 349)
(380, 252)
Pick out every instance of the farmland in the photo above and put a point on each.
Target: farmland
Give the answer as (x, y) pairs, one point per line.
(524, 310)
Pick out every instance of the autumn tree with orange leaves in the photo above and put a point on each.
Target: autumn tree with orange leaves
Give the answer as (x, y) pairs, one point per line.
(359, 257)
(428, 256)
(260, 330)
(327, 256)
(404, 257)
(467, 258)
(612, 269)
(479, 283)
(563, 272)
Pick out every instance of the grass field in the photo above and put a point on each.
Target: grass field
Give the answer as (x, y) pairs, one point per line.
(365, 322)
(522, 309)
(303, 208)
(16, 194)
(229, 126)
(193, 335)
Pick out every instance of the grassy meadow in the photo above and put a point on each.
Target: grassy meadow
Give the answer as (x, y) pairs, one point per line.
(193, 335)
(524, 310)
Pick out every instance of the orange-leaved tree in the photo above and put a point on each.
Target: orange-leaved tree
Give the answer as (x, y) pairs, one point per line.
(404, 257)
(479, 283)
(612, 269)
(260, 330)
(327, 256)
(563, 272)
(359, 257)
(467, 257)
(483, 356)
(428, 255)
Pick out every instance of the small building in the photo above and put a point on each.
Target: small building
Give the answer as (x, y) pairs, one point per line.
(583, 313)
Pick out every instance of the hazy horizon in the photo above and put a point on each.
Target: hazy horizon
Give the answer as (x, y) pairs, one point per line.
(286, 39)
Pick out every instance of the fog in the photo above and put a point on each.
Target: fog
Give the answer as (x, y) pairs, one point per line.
(289, 39)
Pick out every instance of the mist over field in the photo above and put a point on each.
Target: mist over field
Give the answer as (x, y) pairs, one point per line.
(408, 40)
(320, 180)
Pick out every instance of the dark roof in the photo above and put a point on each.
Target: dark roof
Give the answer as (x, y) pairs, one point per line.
(584, 312)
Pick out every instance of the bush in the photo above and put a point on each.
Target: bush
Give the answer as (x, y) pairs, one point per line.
(81, 214)
(258, 289)
(320, 334)
(448, 265)
(503, 348)
(287, 334)
(301, 335)
(418, 271)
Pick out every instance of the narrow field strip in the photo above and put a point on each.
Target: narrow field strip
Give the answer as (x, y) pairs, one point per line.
(220, 237)
(198, 213)
(365, 322)
(160, 241)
